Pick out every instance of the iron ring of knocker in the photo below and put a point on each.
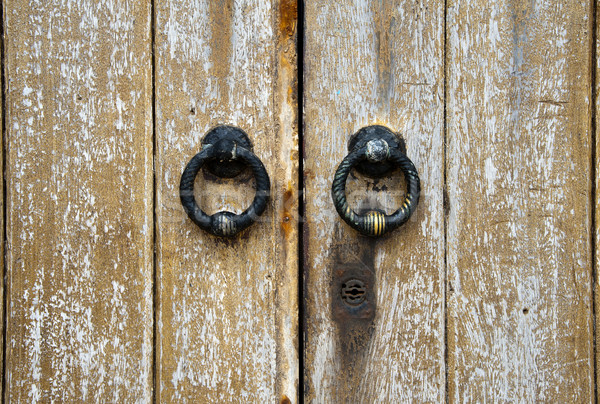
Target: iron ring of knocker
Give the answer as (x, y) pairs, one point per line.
(375, 151)
(225, 152)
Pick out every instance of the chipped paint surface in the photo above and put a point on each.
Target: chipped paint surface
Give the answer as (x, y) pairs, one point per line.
(226, 309)
(519, 274)
(375, 63)
(79, 170)
(80, 203)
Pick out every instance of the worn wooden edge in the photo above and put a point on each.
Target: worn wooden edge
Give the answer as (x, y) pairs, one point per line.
(2, 213)
(594, 30)
(287, 299)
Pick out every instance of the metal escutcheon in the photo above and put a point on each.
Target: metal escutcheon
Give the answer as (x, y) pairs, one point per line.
(375, 151)
(225, 153)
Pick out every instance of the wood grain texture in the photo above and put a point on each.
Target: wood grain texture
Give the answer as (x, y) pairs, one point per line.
(227, 310)
(595, 234)
(79, 179)
(374, 63)
(2, 224)
(519, 273)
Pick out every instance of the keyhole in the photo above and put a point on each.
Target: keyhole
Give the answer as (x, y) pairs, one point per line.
(353, 292)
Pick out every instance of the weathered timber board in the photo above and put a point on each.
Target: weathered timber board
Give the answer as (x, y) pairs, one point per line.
(518, 172)
(374, 63)
(79, 201)
(227, 310)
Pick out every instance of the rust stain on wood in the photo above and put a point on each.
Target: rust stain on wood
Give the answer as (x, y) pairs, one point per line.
(288, 215)
(288, 17)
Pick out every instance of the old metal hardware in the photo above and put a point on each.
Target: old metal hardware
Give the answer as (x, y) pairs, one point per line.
(225, 153)
(353, 292)
(375, 151)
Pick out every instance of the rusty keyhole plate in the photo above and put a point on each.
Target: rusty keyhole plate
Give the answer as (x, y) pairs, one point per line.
(353, 292)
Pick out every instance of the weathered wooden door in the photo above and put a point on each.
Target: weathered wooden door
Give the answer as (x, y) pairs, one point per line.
(111, 294)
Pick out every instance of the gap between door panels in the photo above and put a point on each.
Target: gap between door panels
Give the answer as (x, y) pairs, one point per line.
(154, 204)
(593, 185)
(445, 197)
(4, 202)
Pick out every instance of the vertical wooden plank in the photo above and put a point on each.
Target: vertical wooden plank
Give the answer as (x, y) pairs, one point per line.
(595, 234)
(79, 179)
(374, 63)
(519, 273)
(2, 223)
(227, 309)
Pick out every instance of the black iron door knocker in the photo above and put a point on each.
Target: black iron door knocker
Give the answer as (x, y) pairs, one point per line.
(226, 150)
